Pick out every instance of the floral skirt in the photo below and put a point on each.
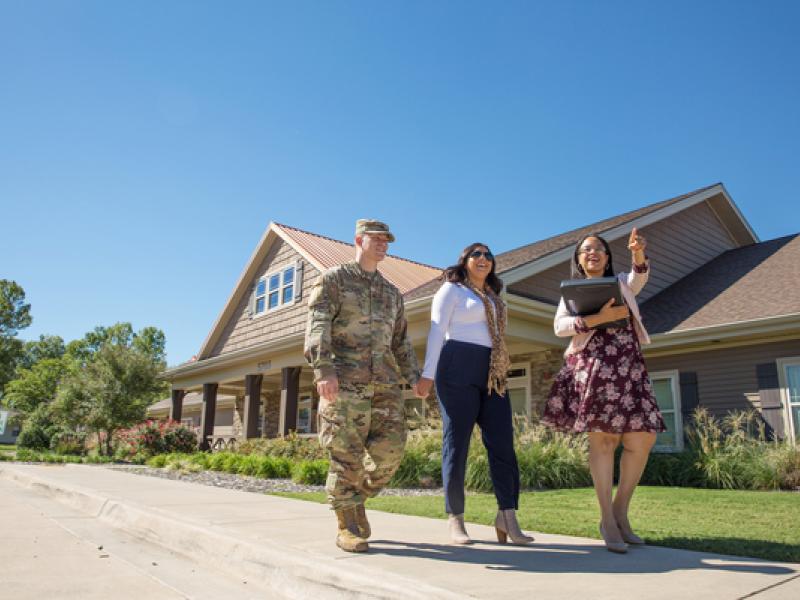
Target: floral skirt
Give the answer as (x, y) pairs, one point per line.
(604, 387)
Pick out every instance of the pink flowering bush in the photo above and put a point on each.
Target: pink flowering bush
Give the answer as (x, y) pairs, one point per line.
(150, 438)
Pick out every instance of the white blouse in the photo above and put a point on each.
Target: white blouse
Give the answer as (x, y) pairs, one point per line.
(457, 314)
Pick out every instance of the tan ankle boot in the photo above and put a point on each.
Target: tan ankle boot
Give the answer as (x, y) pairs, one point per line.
(506, 526)
(348, 538)
(364, 530)
(458, 533)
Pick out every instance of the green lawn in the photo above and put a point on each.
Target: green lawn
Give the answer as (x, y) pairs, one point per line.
(8, 448)
(757, 524)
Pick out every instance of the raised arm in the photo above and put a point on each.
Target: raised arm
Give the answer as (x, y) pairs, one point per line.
(640, 266)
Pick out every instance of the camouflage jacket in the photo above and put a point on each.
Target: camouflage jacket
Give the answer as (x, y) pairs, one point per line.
(357, 329)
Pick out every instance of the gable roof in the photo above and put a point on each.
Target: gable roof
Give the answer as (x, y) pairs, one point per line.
(322, 252)
(527, 260)
(744, 284)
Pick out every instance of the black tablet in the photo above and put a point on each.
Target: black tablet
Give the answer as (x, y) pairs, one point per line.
(587, 296)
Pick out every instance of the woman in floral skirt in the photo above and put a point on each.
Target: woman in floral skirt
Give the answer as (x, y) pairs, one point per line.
(603, 388)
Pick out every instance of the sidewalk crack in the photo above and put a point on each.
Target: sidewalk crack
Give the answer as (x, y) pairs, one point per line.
(769, 587)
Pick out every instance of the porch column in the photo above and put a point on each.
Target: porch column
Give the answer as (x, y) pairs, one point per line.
(252, 403)
(209, 411)
(176, 408)
(290, 388)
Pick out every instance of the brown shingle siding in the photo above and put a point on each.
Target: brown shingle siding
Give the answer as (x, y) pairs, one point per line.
(244, 331)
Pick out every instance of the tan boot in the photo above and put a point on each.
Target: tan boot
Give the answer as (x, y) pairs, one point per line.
(364, 530)
(348, 538)
(458, 533)
(506, 526)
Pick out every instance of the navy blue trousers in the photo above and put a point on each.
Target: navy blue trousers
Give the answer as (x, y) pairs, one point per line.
(461, 378)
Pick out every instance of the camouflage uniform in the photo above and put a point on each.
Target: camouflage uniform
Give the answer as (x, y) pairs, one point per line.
(357, 331)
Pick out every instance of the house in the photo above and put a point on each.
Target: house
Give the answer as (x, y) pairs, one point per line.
(722, 307)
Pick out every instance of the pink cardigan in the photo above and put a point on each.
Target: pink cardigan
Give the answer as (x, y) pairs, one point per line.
(631, 284)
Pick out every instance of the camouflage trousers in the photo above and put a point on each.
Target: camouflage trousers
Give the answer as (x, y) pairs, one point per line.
(364, 433)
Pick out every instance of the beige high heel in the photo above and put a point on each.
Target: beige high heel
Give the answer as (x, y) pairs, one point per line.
(631, 538)
(458, 533)
(506, 526)
(618, 547)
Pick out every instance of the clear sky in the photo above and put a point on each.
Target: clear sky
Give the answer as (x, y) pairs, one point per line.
(145, 146)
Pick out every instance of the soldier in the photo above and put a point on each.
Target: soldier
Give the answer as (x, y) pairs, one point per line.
(357, 343)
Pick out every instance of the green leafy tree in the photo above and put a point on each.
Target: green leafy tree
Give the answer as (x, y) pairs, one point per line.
(15, 314)
(111, 390)
(46, 347)
(35, 386)
(149, 340)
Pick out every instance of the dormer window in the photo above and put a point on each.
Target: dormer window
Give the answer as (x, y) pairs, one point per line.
(275, 289)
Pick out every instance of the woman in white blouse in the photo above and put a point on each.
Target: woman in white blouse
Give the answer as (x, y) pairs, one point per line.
(467, 359)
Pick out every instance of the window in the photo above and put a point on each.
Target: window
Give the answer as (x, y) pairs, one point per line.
(519, 389)
(275, 289)
(304, 410)
(666, 386)
(789, 380)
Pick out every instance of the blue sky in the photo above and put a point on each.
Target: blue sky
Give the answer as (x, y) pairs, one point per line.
(145, 146)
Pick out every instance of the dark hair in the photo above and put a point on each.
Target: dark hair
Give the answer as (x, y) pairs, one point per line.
(577, 269)
(457, 273)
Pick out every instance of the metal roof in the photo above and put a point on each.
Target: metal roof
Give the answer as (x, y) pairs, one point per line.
(327, 253)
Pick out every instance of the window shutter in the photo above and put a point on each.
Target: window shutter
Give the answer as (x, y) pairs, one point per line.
(251, 304)
(769, 393)
(689, 397)
(298, 281)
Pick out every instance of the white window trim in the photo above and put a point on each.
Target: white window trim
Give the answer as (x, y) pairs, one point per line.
(789, 426)
(675, 383)
(522, 382)
(281, 305)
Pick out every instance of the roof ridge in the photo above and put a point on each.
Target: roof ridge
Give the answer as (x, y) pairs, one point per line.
(330, 239)
(642, 210)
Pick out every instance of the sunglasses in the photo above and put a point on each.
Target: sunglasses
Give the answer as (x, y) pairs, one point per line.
(477, 254)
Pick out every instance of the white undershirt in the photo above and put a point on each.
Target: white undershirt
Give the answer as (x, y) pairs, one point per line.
(457, 314)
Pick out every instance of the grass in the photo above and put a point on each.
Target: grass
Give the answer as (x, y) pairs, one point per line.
(735, 522)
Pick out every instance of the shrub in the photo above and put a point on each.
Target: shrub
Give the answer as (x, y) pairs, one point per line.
(310, 472)
(68, 442)
(38, 429)
(291, 446)
(154, 437)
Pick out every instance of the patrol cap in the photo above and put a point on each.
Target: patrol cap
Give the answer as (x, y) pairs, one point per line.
(375, 227)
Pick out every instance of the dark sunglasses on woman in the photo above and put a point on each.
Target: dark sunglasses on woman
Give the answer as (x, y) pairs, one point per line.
(478, 254)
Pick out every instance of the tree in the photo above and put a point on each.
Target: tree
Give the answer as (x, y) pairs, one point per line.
(14, 315)
(47, 346)
(149, 340)
(111, 390)
(35, 386)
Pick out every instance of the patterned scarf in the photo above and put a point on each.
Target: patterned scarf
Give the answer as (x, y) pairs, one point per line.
(499, 363)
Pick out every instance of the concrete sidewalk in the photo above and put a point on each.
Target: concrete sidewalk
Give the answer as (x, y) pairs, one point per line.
(287, 546)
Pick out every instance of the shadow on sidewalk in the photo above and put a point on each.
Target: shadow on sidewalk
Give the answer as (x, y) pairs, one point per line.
(573, 558)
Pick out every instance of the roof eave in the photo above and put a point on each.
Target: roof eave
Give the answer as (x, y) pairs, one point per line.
(788, 324)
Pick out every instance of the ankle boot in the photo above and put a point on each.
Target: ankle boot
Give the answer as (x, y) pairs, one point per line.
(506, 526)
(458, 533)
(364, 530)
(348, 538)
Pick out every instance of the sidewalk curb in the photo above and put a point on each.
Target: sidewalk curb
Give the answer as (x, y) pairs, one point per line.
(289, 572)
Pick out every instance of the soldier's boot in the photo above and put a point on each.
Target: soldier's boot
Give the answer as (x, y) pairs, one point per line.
(348, 538)
(364, 530)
